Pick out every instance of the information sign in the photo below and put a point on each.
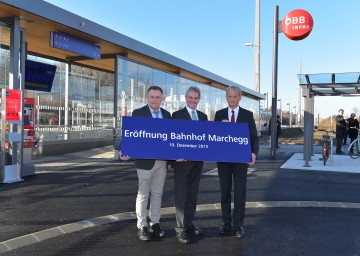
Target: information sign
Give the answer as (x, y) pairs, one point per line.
(13, 105)
(73, 44)
(297, 24)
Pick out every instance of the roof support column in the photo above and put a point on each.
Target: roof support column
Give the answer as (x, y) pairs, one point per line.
(308, 126)
(116, 117)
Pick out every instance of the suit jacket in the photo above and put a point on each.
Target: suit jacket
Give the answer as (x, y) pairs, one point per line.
(147, 164)
(340, 127)
(184, 114)
(244, 116)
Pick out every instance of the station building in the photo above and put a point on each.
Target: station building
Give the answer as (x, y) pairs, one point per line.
(101, 75)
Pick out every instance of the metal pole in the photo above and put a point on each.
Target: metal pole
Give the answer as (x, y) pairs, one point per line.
(116, 141)
(274, 84)
(267, 108)
(257, 48)
(295, 121)
(299, 101)
(289, 114)
(281, 112)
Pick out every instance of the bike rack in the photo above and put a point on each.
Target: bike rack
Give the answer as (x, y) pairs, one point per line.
(329, 137)
(331, 158)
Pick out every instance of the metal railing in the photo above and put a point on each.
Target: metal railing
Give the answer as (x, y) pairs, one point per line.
(74, 132)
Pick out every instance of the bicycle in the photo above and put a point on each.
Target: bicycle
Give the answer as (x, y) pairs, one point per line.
(354, 148)
(327, 146)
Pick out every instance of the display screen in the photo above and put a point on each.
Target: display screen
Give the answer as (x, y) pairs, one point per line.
(39, 76)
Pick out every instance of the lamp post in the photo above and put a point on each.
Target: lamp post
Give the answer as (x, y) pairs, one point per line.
(280, 112)
(295, 120)
(256, 65)
(256, 46)
(289, 113)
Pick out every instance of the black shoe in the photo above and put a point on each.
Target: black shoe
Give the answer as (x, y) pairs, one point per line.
(143, 234)
(156, 231)
(182, 237)
(240, 232)
(340, 153)
(192, 230)
(225, 229)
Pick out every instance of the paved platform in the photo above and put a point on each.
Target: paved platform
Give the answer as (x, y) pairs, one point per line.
(83, 204)
(336, 163)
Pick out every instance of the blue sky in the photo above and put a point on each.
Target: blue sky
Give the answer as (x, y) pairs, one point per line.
(211, 34)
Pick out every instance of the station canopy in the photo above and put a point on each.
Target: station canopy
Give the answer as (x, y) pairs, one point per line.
(331, 84)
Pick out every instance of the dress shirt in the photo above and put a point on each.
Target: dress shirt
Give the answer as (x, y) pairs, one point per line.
(190, 112)
(154, 114)
(236, 112)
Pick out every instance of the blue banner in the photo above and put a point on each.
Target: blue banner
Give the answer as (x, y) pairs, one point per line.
(171, 139)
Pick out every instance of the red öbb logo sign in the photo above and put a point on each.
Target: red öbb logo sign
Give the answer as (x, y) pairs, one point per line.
(297, 24)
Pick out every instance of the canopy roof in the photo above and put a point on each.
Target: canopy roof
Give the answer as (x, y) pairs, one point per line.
(40, 18)
(331, 84)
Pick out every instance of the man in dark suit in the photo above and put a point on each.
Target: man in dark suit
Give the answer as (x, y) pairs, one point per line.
(278, 129)
(340, 131)
(151, 173)
(187, 174)
(235, 171)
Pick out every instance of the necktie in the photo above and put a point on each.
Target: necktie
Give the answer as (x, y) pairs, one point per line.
(193, 116)
(156, 114)
(232, 116)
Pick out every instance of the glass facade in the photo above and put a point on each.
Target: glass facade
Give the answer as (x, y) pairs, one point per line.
(81, 102)
(136, 78)
(4, 56)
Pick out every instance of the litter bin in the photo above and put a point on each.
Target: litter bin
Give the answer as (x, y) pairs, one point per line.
(37, 150)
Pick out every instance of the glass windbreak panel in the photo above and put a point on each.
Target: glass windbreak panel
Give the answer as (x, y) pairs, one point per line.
(320, 78)
(204, 98)
(192, 83)
(85, 103)
(49, 106)
(161, 79)
(212, 101)
(133, 77)
(105, 103)
(145, 80)
(171, 102)
(4, 56)
(182, 87)
(132, 90)
(251, 105)
(302, 79)
(122, 93)
(327, 78)
(4, 81)
(49, 110)
(220, 100)
(78, 100)
(347, 78)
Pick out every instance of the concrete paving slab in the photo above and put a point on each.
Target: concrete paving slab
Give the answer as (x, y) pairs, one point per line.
(339, 163)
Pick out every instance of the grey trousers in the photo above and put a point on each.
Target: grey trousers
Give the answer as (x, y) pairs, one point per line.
(151, 182)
